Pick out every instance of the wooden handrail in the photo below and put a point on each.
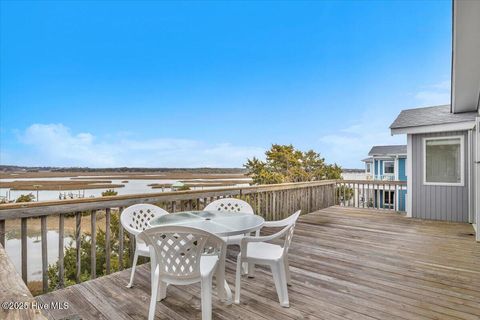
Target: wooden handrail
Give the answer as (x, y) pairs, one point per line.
(273, 202)
(34, 209)
(15, 297)
(392, 182)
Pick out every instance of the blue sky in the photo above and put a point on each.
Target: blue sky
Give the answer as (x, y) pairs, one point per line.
(187, 84)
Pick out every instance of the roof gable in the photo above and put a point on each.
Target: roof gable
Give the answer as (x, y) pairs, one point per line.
(388, 150)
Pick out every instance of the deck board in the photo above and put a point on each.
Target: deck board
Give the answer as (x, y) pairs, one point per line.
(345, 264)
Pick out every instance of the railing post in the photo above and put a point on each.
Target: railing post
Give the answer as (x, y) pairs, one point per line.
(61, 232)
(43, 226)
(378, 197)
(2, 233)
(120, 240)
(93, 249)
(335, 191)
(274, 205)
(23, 235)
(78, 242)
(107, 241)
(132, 247)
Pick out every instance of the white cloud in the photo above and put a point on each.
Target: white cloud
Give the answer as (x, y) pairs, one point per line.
(435, 94)
(56, 145)
(352, 143)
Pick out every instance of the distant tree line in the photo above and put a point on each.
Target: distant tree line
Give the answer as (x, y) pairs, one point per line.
(7, 168)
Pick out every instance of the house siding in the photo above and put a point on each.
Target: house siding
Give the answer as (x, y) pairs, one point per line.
(448, 203)
(402, 196)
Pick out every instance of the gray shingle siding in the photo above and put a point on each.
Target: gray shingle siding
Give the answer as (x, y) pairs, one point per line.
(437, 202)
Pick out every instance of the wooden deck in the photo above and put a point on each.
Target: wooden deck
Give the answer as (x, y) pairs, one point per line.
(345, 264)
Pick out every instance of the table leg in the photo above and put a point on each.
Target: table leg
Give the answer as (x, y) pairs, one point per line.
(223, 291)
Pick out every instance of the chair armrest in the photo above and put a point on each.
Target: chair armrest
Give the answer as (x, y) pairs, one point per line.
(281, 223)
(131, 230)
(247, 239)
(273, 224)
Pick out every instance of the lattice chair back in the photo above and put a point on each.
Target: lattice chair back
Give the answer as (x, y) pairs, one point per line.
(178, 249)
(135, 218)
(229, 205)
(290, 223)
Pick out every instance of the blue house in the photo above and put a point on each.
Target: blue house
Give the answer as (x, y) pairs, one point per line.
(386, 163)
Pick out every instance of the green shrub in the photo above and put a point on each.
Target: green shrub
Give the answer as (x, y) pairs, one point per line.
(25, 198)
(70, 260)
(109, 192)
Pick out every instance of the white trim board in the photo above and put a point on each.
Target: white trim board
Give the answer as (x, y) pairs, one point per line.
(456, 126)
(462, 162)
(388, 158)
(409, 174)
(477, 132)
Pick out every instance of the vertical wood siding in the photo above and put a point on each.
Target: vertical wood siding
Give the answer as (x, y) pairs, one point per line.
(448, 203)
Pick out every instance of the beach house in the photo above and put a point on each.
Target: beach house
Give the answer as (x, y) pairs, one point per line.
(386, 163)
(443, 153)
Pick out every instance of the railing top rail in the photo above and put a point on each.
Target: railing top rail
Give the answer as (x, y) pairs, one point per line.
(13, 289)
(31, 209)
(386, 182)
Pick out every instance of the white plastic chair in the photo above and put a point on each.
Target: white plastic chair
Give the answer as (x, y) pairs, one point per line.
(182, 256)
(258, 250)
(135, 219)
(230, 205)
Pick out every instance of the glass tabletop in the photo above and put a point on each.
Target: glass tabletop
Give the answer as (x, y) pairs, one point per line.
(220, 223)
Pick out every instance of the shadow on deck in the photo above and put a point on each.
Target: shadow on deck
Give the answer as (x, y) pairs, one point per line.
(345, 264)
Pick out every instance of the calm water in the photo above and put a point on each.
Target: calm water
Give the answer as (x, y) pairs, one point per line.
(133, 186)
(34, 253)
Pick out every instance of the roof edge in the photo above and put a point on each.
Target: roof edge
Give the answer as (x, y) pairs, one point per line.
(444, 127)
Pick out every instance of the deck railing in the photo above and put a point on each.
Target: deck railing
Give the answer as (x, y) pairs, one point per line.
(273, 202)
(376, 194)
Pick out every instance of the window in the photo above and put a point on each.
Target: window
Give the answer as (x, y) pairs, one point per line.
(388, 199)
(369, 167)
(443, 161)
(388, 167)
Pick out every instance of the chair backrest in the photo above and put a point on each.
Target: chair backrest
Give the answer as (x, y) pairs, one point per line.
(229, 205)
(290, 221)
(178, 249)
(135, 218)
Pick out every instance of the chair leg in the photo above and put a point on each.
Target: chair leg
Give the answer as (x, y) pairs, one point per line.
(238, 277)
(135, 259)
(251, 270)
(162, 290)
(153, 298)
(245, 267)
(287, 271)
(206, 284)
(278, 272)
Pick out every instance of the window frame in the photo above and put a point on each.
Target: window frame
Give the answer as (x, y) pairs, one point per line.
(368, 167)
(462, 161)
(389, 205)
(383, 169)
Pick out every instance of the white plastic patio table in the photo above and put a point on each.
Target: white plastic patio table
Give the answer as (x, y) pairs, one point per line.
(222, 224)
